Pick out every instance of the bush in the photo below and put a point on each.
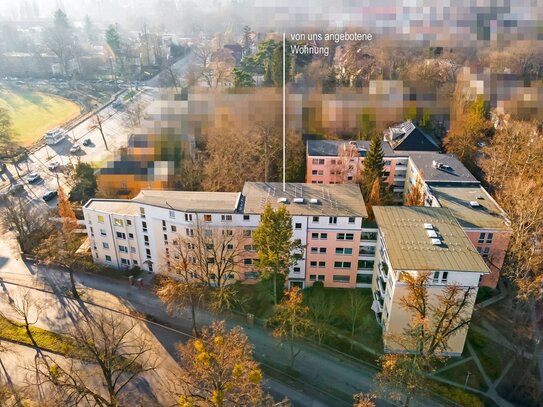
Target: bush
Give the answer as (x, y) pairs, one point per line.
(459, 396)
(318, 284)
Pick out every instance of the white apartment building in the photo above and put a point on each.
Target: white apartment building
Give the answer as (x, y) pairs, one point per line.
(415, 240)
(327, 219)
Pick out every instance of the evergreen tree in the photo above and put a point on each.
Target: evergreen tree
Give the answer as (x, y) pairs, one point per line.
(277, 66)
(242, 79)
(373, 166)
(268, 81)
(247, 41)
(277, 251)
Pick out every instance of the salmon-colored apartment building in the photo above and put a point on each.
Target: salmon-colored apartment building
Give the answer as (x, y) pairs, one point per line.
(412, 160)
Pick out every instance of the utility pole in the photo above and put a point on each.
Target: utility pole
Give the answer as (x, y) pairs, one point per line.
(284, 119)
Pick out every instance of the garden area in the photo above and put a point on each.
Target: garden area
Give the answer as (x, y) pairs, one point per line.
(33, 113)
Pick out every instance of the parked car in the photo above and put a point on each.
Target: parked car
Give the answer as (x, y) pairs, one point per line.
(16, 187)
(33, 177)
(75, 148)
(49, 195)
(53, 165)
(87, 142)
(117, 104)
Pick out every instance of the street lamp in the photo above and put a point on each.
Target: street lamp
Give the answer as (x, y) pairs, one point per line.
(467, 379)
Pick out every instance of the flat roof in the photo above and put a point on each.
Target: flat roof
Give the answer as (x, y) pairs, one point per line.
(451, 171)
(472, 206)
(331, 200)
(118, 206)
(405, 230)
(329, 148)
(190, 201)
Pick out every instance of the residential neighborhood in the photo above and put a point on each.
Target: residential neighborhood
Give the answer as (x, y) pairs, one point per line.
(232, 203)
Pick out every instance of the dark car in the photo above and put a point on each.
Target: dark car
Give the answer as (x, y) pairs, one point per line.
(49, 195)
(87, 142)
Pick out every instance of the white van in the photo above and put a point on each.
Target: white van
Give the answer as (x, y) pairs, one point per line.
(55, 136)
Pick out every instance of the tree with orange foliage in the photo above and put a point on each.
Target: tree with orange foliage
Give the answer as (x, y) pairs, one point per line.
(218, 369)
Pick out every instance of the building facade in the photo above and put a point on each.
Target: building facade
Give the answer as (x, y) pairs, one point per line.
(328, 220)
(414, 240)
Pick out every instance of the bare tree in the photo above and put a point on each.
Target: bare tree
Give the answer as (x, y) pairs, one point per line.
(202, 55)
(117, 353)
(96, 123)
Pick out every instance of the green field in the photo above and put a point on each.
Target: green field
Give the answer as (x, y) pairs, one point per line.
(33, 113)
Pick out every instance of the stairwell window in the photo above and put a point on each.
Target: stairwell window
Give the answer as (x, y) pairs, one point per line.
(332, 220)
(117, 222)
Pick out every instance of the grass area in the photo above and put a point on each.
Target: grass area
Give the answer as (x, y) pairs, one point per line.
(459, 374)
(485, 293)
(459, 396)
(33, 113)
(493, 357)
(45, 339)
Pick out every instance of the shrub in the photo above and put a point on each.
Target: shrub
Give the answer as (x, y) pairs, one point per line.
(459, 396)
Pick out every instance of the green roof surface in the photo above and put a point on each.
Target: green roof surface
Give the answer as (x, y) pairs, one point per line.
(410, 248)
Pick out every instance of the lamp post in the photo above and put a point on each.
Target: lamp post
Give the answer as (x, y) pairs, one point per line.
(467, 379)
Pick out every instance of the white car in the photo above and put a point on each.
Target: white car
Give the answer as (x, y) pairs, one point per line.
(75, 148)
(53, 165)
(34, 176)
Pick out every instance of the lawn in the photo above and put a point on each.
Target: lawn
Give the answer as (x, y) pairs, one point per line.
(33, 113)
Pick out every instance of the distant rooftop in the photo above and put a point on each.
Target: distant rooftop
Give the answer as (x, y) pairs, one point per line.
(330, 148)
(440, 168)
(408, 137)
(118, 206)
(190, 201)
(472, 206)
(314, 199)
(426, 238)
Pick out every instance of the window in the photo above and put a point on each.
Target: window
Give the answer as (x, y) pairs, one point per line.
(321, 172)
(164, 225)
(489, 237)
(131, 235)
(312, 277)
(322, 264)
(121, 235)
(344, 250)
(246, 217)
(387, 162)
(340, 279)
(209, 246)
(249, 248)
(345, 236)
(142, 212)
(312, 264)
(314, 250)
(486, 252)
(342, 264)
(296, 269)
(165, 238)
(322, 250)
(148, 253)
(247, 233)
(226, 218)
(247, 262)
(173, 228)
(332, 220)
(386, 174)
(365, 264)
(315, 219)
(207, 218)
(188, 217)
(229, 246)
(313, 172)
(135, 262)
(482, 238)
(351, 219)
(435, 278)
(108, 258)
(228, 232)
(128, 222)
(100, 219)
(191, 246)
(444, 276)
(366, 250)
(105, 245)
(146, 240)
(144, 225)
(103, 232)
(318, 161)
(297, 225)
(314, 235)
(132, 250)
(363, 278)
(324, 236)
(369, 236)
(189, 232)
(123, 249)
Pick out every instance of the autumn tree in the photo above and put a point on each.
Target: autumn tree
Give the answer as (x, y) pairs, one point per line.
(7, 134)
(435, 319)
(218, 370)
(117, 354)
(415, 196)
(277, 250)
(221, 66)
(364, 400)
(290, 321)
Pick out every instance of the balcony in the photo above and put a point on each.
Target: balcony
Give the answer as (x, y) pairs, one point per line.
(383, 270)
(381, 285)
